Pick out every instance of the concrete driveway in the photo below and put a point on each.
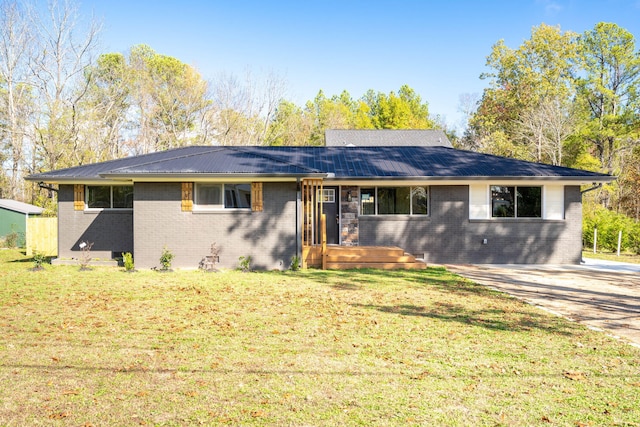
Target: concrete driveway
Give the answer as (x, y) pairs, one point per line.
(600, 294)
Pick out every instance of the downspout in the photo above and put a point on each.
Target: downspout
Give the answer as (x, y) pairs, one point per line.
(595, 187)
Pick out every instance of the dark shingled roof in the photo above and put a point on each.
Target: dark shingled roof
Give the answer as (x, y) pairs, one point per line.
(400, 162)
(386, 137)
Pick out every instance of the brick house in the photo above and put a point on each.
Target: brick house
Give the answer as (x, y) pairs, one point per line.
(432, 201)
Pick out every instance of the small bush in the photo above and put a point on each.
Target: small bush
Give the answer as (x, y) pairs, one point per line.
(85, 258)
(165, 259)
(295, 263)
(38, 261)
(11, 240)
(245, 263)
(127, 259)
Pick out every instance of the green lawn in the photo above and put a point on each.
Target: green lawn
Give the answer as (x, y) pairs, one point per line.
(612, 256)
(312, 348)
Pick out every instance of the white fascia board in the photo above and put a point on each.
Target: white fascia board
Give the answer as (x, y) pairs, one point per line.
(466, 181)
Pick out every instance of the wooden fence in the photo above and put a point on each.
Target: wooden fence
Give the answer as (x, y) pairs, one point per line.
(42, 236)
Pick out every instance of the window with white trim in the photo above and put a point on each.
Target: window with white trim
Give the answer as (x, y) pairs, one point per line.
(394, 201)
(223, 196)
(109, 196)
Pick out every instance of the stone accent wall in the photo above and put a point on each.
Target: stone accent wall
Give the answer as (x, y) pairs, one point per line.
(349, 231)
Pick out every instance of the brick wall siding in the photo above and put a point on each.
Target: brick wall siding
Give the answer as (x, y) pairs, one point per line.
(269, 237)
(448, 236)
(110, 231)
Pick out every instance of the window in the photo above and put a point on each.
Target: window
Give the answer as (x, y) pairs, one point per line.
(394, 201)
(516, 202)
(367, 201)
(236, 196)
(328, 195)
(110, 197)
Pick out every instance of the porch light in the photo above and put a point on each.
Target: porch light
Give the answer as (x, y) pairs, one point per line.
(349, 196)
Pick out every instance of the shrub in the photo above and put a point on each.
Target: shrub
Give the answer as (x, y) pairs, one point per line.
(85, 258)
(609, 224)
(295, 263)
(38, 261)
(11, 240)
(634, 239)
(127, 259)
(165, 259)
(245, 263)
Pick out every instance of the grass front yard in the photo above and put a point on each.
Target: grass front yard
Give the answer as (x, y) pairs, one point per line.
(313, 348)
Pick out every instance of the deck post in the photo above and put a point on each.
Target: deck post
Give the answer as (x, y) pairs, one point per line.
(323, 235)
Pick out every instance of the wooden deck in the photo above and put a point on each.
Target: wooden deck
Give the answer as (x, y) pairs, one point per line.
(348, 257)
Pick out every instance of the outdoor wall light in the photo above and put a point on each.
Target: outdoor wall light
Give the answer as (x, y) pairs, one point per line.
(349, 196)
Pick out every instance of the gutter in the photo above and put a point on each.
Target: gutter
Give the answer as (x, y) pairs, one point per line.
(604, 178)
(595, 187)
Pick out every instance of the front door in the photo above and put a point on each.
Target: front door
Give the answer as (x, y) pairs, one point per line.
(330, 199)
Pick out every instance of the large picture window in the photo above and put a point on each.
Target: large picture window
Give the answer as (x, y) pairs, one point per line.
(223, 196)
(394, 201)
(516, 202)
(110, 197)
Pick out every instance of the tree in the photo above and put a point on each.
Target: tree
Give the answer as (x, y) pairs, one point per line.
(244, 110)
(106, 105)
(609, 83)
(58, 67)
(629, 184)
(525, 82)
(290, 126)
(404, 110)
(545, 128)
(337, 112)
(16, 45)
(170, 101)
(467, 105)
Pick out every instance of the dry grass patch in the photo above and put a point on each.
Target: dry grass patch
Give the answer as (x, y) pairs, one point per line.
(105, 347)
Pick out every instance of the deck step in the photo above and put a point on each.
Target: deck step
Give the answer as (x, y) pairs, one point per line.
(365, 250)
(380, 257)
(368, 258)
(379, 265)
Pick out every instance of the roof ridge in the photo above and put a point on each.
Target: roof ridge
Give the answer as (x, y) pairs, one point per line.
(268, 157)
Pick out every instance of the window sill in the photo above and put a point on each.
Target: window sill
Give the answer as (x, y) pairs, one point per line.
(394, 218)
(108, 210)
(512, 220)
(221, 210)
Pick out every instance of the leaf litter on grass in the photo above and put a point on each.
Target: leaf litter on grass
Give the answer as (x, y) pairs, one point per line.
(283, 348)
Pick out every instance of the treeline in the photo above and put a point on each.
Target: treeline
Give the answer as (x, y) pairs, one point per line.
(62, 104)
(566, 99)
